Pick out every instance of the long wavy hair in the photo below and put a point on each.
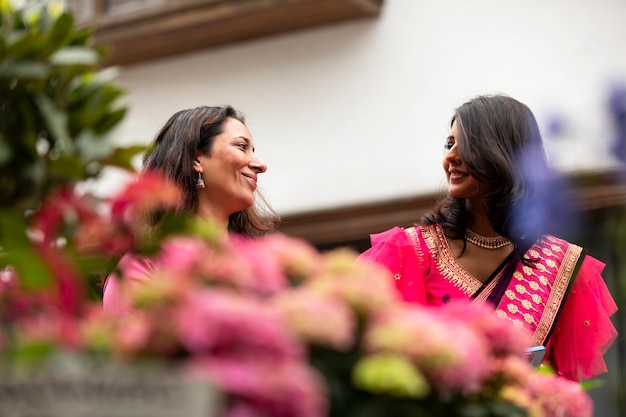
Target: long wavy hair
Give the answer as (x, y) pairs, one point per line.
(500, 144)
(185, 135)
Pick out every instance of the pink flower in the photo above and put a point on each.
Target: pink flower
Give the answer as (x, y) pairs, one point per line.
(97, 235)
(317, 319)
(261, 386)
(193, 260)
(221, 322)
(48, 325)
(451, 355)
(366, 288)
(97, 329)
(502, 338)
(150, 192)
(266, 270)
(146, 332)
(560, 397)
(296, 257)
(513, 370)
(68, 280)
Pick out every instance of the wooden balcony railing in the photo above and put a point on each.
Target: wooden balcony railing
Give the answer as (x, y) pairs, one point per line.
(140, 30)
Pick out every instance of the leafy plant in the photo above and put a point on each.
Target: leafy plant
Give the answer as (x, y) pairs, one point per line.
(58, 108)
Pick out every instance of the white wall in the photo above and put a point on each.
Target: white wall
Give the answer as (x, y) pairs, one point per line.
(358, 112)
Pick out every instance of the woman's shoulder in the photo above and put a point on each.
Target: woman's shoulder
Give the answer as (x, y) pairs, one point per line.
(402, 235)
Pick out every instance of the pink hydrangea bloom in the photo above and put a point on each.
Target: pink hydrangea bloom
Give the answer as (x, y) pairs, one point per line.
(560, 397)
(219, 321)
(297, 258)
(48, 325)
(502, 338)
(146, 332)
(265, 269)
(265, 387)
(316, 318)
(365, 288)
(196, 261)
(451, 355)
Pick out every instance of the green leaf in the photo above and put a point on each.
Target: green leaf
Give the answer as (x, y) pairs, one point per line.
(109, 121)
(27, 69)
(20, 254)
(31, 353)
(56, 121)
(5, 150)
(122, 156)
(82, 87)
(74, 56)
(60, 32)
(67, 168)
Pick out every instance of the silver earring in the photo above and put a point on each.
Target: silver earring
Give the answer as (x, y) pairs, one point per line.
(200, 181)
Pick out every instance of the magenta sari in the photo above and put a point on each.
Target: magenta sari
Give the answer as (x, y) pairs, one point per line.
(561, 299)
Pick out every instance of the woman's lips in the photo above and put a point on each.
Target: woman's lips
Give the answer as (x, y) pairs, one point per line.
(251, 178)
(456, 175)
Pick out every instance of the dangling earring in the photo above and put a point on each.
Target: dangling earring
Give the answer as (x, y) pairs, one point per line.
(200, 181)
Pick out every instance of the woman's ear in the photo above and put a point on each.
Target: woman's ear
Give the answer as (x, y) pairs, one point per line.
(197, 166)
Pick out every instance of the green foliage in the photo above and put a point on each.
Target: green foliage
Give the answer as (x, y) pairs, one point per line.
(58, 110)
(58, 106)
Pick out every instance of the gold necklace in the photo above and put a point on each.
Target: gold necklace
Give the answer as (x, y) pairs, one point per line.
(486, 242)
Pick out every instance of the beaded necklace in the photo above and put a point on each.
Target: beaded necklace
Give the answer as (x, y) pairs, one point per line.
(486, 242)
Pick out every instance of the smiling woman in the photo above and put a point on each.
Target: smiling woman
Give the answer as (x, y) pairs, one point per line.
(231, 169)
(208, 153)
(491, 239)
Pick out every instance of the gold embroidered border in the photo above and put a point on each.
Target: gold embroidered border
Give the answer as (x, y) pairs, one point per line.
(449, 268)
(557, 295)
(411, 232)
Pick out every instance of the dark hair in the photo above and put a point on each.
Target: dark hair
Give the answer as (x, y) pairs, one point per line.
(500, 145)
(184, 135)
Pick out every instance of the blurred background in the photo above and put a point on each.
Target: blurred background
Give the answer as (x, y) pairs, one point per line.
(349, 103)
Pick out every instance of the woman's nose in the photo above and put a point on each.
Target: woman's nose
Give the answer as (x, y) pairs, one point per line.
(258, 165)
(453, 155)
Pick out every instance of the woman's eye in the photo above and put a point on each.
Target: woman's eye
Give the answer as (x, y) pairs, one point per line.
(243, 145)
(448, 145)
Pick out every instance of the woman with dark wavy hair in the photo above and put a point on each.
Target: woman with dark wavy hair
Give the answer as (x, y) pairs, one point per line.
(487, 240)
(208, 152)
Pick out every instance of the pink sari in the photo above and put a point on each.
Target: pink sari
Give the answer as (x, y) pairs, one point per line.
(561, 299)
(136, 270)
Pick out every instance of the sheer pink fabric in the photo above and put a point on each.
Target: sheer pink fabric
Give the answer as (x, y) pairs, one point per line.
(581, 336)
(584, 332)
(135, 270)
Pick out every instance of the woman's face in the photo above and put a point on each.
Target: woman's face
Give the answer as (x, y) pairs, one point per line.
(460, 183)
(230, 173)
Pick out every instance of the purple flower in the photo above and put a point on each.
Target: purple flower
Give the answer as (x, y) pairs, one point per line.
(617, 111)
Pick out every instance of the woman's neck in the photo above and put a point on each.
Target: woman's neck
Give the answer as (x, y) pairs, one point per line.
(219, 220)
(480, 222)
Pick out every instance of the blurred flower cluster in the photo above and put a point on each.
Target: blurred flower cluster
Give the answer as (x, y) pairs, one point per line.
(280, 328)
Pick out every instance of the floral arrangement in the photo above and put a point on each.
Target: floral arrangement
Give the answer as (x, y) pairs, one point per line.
(278, 327)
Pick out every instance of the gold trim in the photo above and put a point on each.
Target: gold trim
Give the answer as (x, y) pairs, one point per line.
(411, 232)
(557, 295)
(447, 265)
